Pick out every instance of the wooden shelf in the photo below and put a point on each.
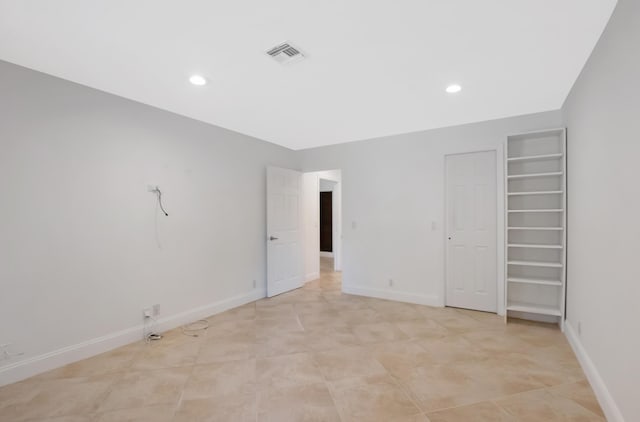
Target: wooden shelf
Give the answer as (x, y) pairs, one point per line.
(529, 245)
(536, 228)
(536, 264)
(535, 157)
(531, 175)
(540, 210)
(538, 281)
(544, 192)
(535, 221)
(534, 308)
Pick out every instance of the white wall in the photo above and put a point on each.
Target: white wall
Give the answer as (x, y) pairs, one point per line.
(393, 189)
(327, 185)
(312, 186)
(602, 115)
(84, 247)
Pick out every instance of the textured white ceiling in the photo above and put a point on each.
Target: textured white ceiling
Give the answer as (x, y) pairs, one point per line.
(373, 67)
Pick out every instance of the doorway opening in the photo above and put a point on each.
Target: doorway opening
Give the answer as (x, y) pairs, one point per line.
(326, 217)
(322, 212)
(293, 227)
(330, 280)
(285, 231)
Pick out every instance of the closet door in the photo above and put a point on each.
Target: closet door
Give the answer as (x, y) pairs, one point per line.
(471, 267)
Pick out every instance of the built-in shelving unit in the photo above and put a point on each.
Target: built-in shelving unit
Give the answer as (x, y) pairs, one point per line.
(535, 194)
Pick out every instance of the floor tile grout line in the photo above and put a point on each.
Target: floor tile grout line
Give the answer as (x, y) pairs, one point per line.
(546, 388)
(405, 392)
(178, 404)
(333, 400)
(108, 391)
(146, 405)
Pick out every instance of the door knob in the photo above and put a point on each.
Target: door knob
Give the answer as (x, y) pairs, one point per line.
(273, 238)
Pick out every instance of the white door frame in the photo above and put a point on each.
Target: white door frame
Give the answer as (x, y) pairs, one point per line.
(500, 228)
(336, 230)
(312, 220)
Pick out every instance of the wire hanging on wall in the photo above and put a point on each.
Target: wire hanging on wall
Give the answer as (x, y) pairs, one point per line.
(159, 193)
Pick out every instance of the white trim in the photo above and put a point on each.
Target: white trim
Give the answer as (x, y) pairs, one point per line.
(326, 254)
(549, 319)
(500, 227)
(563, 234)
(45, 362)
(337, 216)
(608, 404)
(430, 300)
(536, 132)
(311, 276)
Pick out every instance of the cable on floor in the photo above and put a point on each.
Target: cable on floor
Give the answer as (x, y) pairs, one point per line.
(195, 329)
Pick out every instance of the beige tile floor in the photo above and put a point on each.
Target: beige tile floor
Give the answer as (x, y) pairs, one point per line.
(316, 354)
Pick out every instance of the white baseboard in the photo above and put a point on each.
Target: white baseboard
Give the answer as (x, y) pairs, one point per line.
(311, 277)
(38, 364)
(609, 407)
(326, 254)
(430, 300)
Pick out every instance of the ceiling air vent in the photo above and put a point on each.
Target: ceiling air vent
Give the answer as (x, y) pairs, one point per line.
(285, 53)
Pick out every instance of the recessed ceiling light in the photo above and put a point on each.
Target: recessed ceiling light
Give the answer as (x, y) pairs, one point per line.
(198, 80)
(452, 89)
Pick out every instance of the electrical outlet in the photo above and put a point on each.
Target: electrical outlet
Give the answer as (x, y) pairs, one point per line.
(579, 328)
(254, 284)
(390, 282)
(156, 309)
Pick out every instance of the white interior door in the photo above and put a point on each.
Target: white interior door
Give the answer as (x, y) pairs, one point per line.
(471, 267)
(285, 259)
